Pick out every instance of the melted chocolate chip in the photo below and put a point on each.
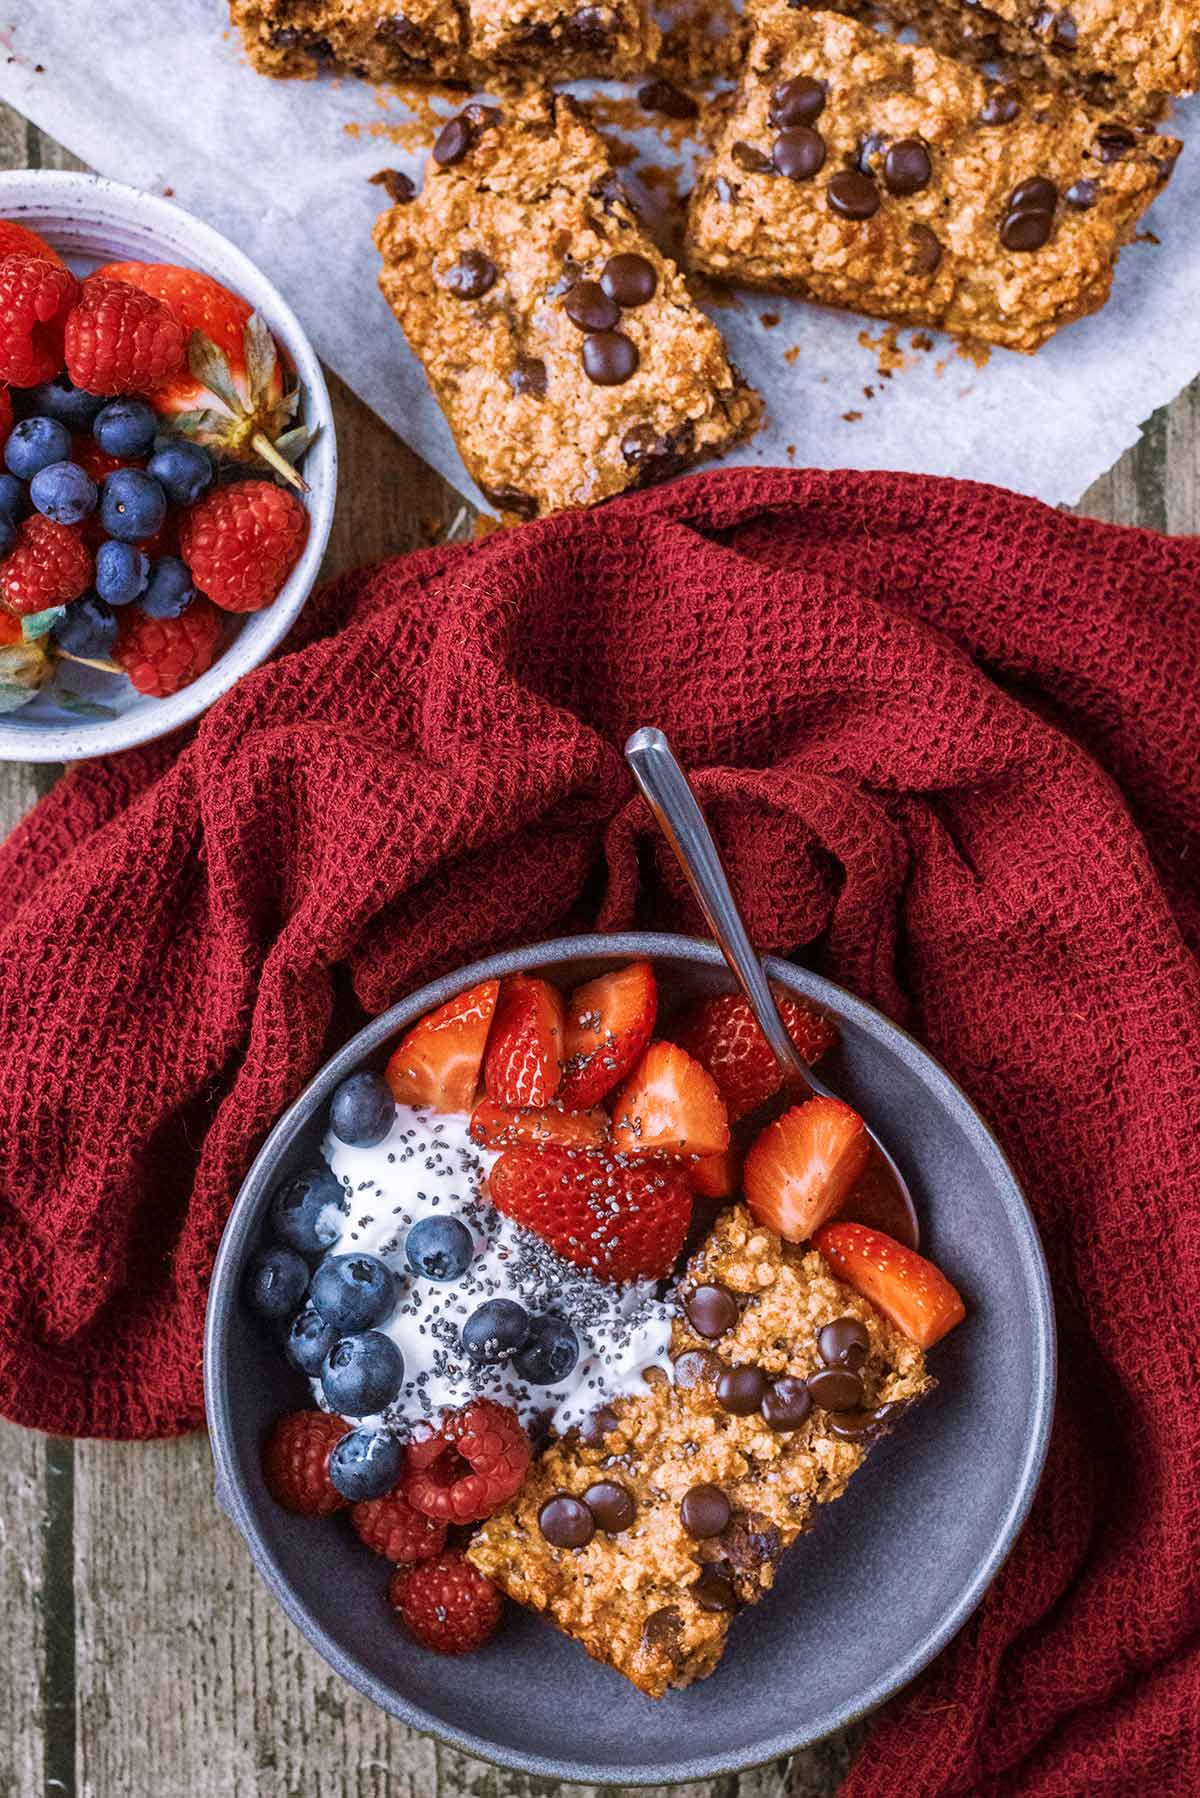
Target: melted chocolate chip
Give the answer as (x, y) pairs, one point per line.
(609, 358)
(751, 1543)
(705, 1511)
(511, 499)
(1026, 230)
(529, 376)
(796, 102)
(787, 1404)
(587, 29)
(844, 1342)
(852, 195)
(664, 97)
(471, 276)
(612, 1506)
(711, 1310)
(713, 1591)
(600, 1424)
(452, 142)
(836, 1389)
(855, 1426)
(400, 188)
(1000, 108)
(1114, 141)
(906, 167)
(926, 250)
(1082, 194)
(695, 1367)
(628, 279)
(661, 1632)
(798, 152)
(566, 1522)
(740, 1390)
(588, 306)
(1038, 194)
(752, 160)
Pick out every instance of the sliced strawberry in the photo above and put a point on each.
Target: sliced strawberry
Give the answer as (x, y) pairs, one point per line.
(801, 1167)
(669, 1106)
(910, 1291)
(439, 1060)
(623, 1221)
(609, 1023)
(501, 1127)
(722, 1035)
(523, 1065)
(715, 1176)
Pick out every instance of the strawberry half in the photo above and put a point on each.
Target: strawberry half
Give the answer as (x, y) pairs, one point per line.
(669, 1106)
(624, 1222)
(523, 1065)
(801, 1167)
(715, 1176)
(438, 1061)
(500, 1127)
(722, 1035)
(609, 1023)
(911, 1292)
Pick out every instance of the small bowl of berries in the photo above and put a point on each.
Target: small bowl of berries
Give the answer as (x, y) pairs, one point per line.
(168, 466)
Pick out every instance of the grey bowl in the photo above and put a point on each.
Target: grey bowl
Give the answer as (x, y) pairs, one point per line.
(889, 1574)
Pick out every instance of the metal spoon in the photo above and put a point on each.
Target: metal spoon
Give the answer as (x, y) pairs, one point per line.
(882, 1197)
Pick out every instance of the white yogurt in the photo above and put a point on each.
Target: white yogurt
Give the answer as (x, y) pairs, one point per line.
(429, 1165)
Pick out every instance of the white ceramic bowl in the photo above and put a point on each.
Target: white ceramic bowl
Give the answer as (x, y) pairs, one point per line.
(90, 221)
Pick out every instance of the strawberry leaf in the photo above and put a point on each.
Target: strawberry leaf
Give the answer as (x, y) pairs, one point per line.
(199, 424)
(40, 624)
(260, 358)
(295, 444)
(210, 367)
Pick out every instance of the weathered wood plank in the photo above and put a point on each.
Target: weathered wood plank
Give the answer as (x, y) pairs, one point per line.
(23, 1480)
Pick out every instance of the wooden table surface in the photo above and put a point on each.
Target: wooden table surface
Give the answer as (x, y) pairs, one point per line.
(139, 1654)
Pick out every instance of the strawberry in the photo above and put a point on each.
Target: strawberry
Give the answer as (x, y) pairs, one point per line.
(235, 394)
(523, 1064)
(623, 1221)
(119, 340)
(48, 565)
(296, 1463)
(609, 1023)
(669, 1106)
(910, 1291)
(242, 542)
(801, 1167)
(36, 297)
(447, 1604)
(19, 240)
(161, 655)
(438, 1061)
(722, 1035)
(498, 1127)
(715, 1176)
(474, 1462)
(390, 1527)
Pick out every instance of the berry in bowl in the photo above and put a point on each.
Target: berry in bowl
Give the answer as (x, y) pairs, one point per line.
(168, 466)
(544, 1295)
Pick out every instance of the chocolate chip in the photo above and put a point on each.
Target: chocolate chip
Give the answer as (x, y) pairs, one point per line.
(1026, 230)
(1082, 194)
(845, 1342)
(798, 152)
(695, 1367)
(609, 358)
(400, 188)
(511, 499)
(1000, 108)
(472, 275)
(664, 97)
(661, 1632)
(787, 1404)
(713, 1591)
(452, 142)
(751, 1543)
(400, 31)
(711, 1310)
(588, 306)
(752, 160)
(836, 1389)
(852, 195)
(926, 250)
(906, 167)
(629, 279)
(529, 376)
(1038, 194)
(705, 1511)
(740, 1390)
(566, 1522)
(600, 1424)
(612, 1506)
(796, 102)
(1114, 141)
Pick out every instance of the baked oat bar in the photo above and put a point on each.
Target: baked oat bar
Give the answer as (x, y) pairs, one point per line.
(883, 177)
(643, 1535)
(563, 347)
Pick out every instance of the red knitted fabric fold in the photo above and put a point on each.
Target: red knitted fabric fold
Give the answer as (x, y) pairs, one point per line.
(949, 741)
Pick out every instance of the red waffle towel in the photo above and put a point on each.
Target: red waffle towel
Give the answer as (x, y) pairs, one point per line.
(949, 740)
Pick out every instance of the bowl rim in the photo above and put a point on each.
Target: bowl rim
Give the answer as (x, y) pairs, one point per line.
(76, 194)
(244, 1220)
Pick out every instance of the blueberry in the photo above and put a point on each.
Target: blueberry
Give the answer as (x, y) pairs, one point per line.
(132, 504)
(34, 444)
(122, 571)
(125, 427)
(366, 1464)
(550, 1353)
(440, 1248)
(64, 492)
(276, 1282)
(495, 1330)
(185, 470)
(354, 1291)
(71, 405)
(87, 628)
(170, 591)
(14, 498)
(362, 1374)
(306, 1211)
(362, 1110)
(309, 1340)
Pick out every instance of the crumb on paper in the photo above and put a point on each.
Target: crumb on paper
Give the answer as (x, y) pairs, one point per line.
(400, 189)
(977, 354)
(851, 418)
(887, 347)
(768, 320)
(868, 393)
(790, 452)
(792, 354)
(921, 340)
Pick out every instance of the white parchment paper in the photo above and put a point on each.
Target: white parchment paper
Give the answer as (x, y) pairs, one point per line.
(161, 96)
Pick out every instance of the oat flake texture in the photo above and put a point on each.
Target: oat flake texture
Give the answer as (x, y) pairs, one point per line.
(948, 738)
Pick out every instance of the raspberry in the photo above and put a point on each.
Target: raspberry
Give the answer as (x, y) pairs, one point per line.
(447, 1604)
(48, 565)
(296, 1463)
(36, 296)
(120, 340)
(469, 1467)
(394, 1530)
(160, 655)
(242, 542)
(20, 240)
